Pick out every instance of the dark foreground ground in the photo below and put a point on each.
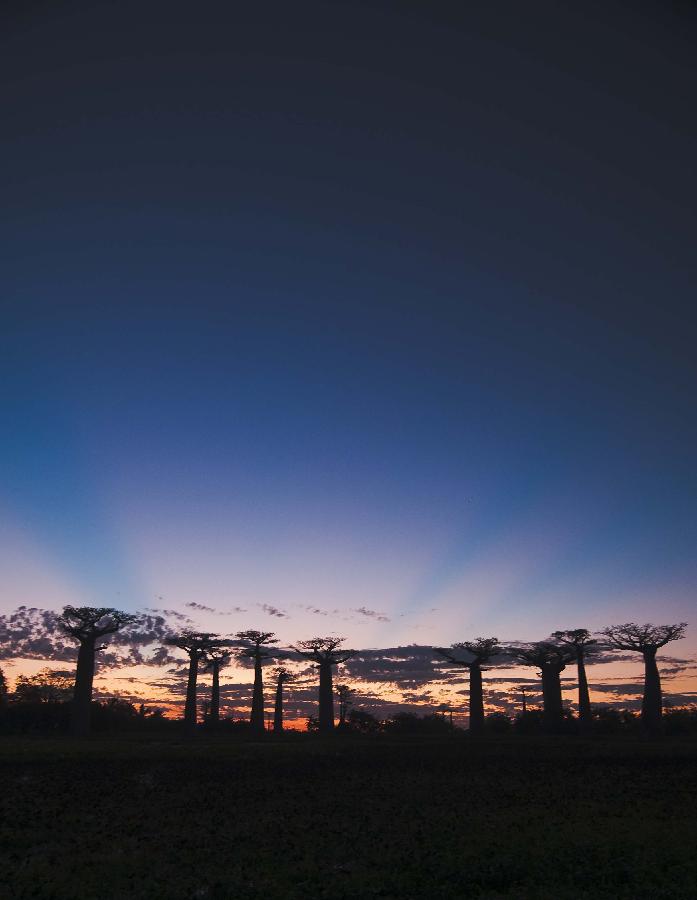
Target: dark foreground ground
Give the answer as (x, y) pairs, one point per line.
(310, 819)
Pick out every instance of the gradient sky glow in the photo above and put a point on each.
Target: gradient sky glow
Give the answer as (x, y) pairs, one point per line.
(352, 305)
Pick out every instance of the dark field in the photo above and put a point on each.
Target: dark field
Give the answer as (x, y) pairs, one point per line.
(312, 819)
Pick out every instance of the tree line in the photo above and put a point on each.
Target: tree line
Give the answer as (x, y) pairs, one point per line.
(88, 627)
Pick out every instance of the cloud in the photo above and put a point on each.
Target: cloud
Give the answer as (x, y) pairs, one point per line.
(386, 680)
(146, 629)
(171, 614)
(32, 633)
(371, 614)
(413, 666)
(273, 611)
(201, 607)
(626, 687)
(688, 698)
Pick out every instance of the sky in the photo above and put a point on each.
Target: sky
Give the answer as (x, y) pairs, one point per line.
(358, 318)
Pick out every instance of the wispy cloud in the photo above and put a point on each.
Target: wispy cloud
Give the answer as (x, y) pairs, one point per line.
(171, 614)
(273, 611)
(201, 607)
(371, 614)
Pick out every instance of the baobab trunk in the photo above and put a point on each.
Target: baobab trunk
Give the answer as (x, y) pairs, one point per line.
(82, 695)
(476, 700)
(214, 713)
(584, 701)
(326, 699)
(652, 703)
(278, 709)
(551, 699)
(190, 705)
(257, 717)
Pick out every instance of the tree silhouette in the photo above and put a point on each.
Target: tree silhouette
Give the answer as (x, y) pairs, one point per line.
(646, 639)
(523, 695)
(46, 686)
(282, 675)
(216, 657)
(258, 640)
(581, 642)
(362, 721)
(344, 695)
(325, 654)
(86, 625)
(3, 690)
(195, 644)
(551, 659)
(481, 650)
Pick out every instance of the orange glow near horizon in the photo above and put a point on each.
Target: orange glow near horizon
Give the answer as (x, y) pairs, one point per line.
(502, 692)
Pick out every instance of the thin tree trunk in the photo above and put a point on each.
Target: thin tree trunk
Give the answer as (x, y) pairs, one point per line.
(82, 694)
(326, 699)
(652, 703)
(278, 709)
(190, 705)
(551, 698)
(585, 717)
(476, 700)
(257, 717)
(214, 713)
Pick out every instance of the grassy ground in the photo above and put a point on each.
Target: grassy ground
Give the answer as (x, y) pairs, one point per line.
(336, 819)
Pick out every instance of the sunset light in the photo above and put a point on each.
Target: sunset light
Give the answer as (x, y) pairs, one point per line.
(347, 509)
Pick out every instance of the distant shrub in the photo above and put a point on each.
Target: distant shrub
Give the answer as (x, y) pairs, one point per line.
(680, 721)
(498, 723)
(35, 717)
(47, 716)
(607, 720)
(529, 722)
(410, 723)
(46, 686)
(362, 722)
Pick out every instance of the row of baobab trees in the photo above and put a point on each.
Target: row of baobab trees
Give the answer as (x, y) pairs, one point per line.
(89, 625)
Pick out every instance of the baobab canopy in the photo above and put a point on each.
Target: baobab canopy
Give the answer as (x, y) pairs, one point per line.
(92, 628)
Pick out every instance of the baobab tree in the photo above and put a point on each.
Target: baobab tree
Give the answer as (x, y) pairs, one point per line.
(3, 690)
(523, 694)
(258, 640)
(344, 695)
(480, 651)
(581, 642)
(216, 656)
(551, 659)
(325, 653)
(282, 675)
(195, 644)
(646, 639)
(86, 625)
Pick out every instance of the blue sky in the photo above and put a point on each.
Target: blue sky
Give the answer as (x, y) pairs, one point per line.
(354, 308)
